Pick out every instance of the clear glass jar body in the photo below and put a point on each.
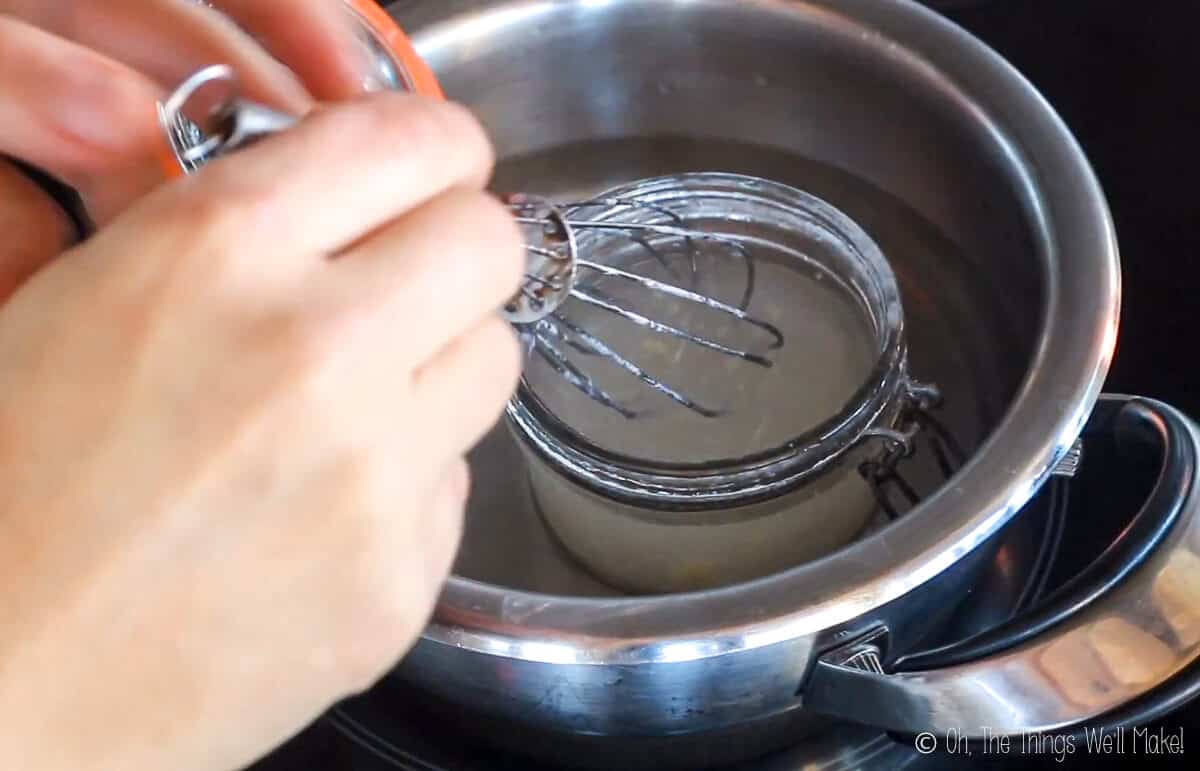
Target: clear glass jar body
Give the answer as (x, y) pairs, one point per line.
(644, 551)
(648, 523)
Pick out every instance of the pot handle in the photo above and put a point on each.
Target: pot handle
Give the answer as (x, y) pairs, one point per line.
(1117, 632)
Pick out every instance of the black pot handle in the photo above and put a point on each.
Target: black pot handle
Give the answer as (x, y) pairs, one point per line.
(1108, 638)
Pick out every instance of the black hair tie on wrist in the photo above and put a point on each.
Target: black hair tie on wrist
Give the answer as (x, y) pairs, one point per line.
(64, 195)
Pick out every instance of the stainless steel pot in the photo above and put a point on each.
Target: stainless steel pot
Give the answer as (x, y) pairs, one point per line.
(880, 106)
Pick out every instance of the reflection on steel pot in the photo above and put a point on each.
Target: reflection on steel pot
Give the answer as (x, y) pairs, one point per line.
(1004, 252)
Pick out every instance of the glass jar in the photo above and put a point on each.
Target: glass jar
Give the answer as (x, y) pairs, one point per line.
(671, 500)
(397, 65)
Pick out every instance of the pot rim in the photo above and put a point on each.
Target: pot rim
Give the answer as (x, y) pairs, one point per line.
(1077, 338)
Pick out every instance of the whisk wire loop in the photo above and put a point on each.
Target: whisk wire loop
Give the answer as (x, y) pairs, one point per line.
(547, 294)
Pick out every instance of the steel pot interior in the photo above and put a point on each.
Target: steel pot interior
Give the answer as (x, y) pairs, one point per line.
(977, 193)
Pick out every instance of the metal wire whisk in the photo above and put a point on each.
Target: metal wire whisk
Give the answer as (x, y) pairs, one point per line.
(556, 270)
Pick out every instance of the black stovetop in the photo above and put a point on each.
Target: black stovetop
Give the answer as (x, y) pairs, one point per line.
(1121, 74)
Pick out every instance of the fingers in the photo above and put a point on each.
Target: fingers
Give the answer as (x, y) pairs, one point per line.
(413, 548)
(77, 115)
(68, 109)
(35, 228)
(79, 78)
(464, 388)
(315, 38)
(447, 266)
(343, 173)
(167, 40)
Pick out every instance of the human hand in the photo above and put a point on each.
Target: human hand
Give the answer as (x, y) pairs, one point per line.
(79, 80)
(232, 426)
